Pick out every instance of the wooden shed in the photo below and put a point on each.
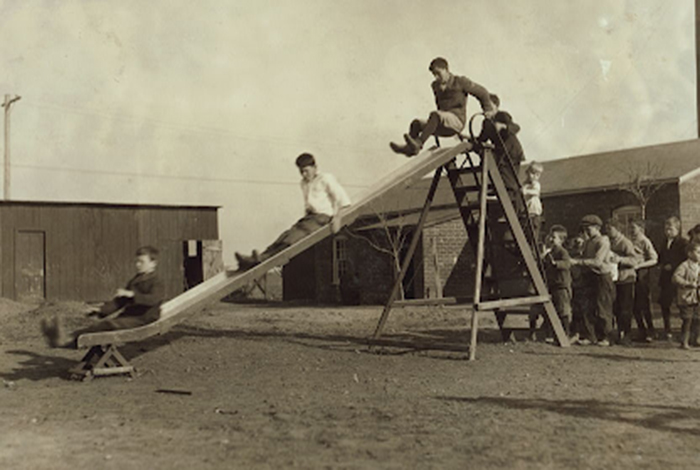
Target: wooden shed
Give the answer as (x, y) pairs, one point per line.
(84, 251)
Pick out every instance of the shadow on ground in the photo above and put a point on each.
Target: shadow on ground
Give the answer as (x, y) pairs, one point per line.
(675, 419)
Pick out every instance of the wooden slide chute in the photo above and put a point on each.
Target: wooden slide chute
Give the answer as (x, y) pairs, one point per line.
(181, 307)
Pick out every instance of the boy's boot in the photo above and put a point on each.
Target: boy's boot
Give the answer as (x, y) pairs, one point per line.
(413, 144)
(245, 262)
(48, 329)
(402, 149)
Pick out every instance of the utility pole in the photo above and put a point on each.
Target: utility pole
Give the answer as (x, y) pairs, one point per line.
(6, 186)
(697, 62)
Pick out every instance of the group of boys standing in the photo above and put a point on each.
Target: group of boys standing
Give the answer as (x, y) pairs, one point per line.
(602, 281)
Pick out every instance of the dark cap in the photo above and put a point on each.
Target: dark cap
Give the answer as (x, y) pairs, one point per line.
(591, 219)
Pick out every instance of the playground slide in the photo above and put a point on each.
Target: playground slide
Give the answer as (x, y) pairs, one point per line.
(184, 305)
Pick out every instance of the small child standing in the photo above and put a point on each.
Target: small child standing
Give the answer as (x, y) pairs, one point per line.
(687, 279)
(531, 190)
(671, 255)
(557, 265)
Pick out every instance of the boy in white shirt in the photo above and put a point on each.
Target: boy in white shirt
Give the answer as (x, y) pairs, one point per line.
(531, 190)
(323, 198)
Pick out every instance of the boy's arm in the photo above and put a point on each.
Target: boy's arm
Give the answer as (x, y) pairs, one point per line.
(649, 255)
(563, 261)
(531, 189)
(149, 293)
(601, 254)
(339, 198)
(678, 277)
(480, 93)
(628, 257)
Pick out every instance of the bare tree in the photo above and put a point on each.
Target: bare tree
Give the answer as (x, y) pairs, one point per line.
(643, 181)
(388, 235)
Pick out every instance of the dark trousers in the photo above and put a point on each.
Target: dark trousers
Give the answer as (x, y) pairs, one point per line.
(624, 302)
(122, 322)
(579, 305)
(642, 303)
(666, 298)
(303, 227)
(597, 319)
(561, 298)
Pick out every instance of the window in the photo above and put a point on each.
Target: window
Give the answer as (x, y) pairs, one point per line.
(626, 214)
(340, 258)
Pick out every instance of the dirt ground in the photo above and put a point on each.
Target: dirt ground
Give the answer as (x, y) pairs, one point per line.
(297, 387)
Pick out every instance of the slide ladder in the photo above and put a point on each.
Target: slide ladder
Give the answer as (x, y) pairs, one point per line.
(509, 272)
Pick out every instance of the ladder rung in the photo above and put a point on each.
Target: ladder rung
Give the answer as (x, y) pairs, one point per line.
(465, 170)
(477, 205)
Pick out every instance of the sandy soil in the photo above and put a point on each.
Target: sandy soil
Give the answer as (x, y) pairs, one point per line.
(297, 387)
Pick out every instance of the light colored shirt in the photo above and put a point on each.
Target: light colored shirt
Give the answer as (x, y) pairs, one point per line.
(687, 278)
(596, 256)
(324, 195)
(645, 249)
(531, 191)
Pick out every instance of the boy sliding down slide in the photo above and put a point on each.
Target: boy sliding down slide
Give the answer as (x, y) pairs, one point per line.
(323, 199)
(451, 93)
(140, 301)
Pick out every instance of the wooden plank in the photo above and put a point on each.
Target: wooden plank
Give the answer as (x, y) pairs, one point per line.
(532, 265)
(513, 302)
(181, 307)
(480, 249)
(426, 302)
(417, 235)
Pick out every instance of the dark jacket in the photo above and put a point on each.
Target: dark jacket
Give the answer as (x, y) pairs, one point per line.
(671, 256)
(454, 97)
(149, 293)
(557, 265)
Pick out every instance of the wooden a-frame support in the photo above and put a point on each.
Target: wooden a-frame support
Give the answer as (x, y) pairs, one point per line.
(489, 173)
(101, 361)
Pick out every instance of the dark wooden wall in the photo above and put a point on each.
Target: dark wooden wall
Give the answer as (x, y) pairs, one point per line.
(89, 248)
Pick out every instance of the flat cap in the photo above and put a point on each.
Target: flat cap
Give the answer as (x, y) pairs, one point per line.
(591, 219)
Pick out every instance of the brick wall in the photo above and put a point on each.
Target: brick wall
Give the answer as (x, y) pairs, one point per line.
(567, 210)
(455, 259)
(690, 203)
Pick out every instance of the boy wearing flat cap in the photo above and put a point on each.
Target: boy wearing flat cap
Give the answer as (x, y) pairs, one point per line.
(597, 283)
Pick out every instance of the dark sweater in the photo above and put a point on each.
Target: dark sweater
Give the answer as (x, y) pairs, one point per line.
(557, 264)
(149, 293)
(671, 256)
(453, 98)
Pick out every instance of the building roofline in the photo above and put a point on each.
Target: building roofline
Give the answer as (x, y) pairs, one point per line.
(690, 175)
(600, 188)
(106, 204)
(627, 149)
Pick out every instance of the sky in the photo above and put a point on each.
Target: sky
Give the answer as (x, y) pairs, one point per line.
(165, 102)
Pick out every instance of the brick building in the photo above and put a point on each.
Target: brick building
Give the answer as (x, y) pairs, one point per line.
(444, 263)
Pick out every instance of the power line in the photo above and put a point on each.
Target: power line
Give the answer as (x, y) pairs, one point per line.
(178, 127)
(170, 177)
